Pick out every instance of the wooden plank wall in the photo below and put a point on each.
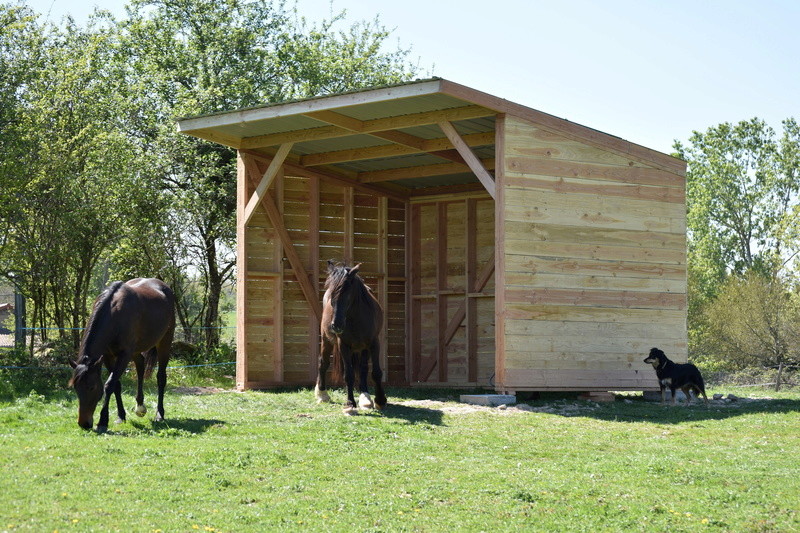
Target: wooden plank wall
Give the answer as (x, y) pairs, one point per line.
(594, 265)
(323, 221)
(452, 323)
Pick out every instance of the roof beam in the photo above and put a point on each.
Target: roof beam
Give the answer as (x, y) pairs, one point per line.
(358, 126)
(341, 125)
(388, 150)
(396, 192)
(469, 156)
(420, 171)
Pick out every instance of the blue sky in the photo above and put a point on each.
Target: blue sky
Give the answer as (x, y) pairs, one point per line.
(647, 71)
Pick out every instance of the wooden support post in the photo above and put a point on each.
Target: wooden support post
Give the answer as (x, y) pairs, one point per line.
(277, 294)
(383, 280)
(471, 260)
(313, 268)
(242, 193)
(348, 226)
(500, 256)
(413, 307)
(441, 285)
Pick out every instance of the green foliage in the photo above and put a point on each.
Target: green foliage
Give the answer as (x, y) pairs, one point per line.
(754, 321)
(743, 213)
(96, 181)
(742, 186)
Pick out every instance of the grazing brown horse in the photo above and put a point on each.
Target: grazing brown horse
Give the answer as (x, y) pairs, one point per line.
(131, 320)
(351, 322)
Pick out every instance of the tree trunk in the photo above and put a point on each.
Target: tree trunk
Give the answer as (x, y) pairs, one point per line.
(214, 281)
(778, 379)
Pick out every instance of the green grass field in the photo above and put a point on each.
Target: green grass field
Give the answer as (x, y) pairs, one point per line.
(265, 461)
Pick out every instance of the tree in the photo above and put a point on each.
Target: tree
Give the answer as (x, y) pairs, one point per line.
(743, 214)
(743, 207)
(755, 320)
(203, 56)
(79, 186)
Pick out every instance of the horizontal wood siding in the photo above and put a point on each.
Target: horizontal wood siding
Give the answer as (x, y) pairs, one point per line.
(323, 221)
(594, 264)
(453, 319)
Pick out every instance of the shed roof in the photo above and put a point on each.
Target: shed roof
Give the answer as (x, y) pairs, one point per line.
(390, 139)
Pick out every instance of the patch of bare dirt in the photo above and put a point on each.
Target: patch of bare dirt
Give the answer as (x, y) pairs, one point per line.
(565, 409)
(196, 391)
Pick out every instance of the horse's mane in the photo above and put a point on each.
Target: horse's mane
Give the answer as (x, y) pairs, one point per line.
(337, 274)
(102, 303)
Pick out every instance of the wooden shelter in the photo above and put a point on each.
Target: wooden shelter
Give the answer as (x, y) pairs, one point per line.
(510, 248)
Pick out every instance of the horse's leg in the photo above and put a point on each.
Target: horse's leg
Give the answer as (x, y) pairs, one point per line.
(162, 350)
(325, 350)
(138, 361)
(349, 378)
(364, 401)
(377, 374)
(114, 386)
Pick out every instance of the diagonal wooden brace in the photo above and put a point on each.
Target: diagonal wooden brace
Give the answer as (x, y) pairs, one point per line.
(276, 220)
(428, 364)
(266, 180)
(469, 156)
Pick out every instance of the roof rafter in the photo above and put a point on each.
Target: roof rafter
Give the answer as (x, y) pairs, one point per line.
(419, 171)
(388, 150)
(345, 125)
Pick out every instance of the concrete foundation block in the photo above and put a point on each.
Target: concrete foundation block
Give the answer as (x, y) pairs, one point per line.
(491, 400)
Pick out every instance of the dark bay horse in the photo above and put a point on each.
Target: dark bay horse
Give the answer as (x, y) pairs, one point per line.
(130, 320)
(351, 322)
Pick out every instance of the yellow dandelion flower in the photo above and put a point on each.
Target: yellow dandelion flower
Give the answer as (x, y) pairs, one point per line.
(704, 521)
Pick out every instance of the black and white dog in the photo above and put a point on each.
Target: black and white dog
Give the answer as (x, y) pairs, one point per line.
(676, 376)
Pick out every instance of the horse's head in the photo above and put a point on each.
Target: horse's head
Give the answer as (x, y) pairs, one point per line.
(341, 282)
(89, 387)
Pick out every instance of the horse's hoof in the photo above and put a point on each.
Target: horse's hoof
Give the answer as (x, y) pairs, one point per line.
(321, 395)
(141, 410)
(158, 418)
(350, 411)
(380, 405)
(102, 429)
(365, 402)
(119, 421)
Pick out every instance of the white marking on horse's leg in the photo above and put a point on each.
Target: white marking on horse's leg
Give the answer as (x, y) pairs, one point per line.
(365, 402)
(321, 395)
(141, 410)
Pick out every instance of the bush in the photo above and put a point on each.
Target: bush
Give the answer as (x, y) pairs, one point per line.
(753, 322)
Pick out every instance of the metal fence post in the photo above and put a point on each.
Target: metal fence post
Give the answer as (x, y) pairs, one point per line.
(19, 320)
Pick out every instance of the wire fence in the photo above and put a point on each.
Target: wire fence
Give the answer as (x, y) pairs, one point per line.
(184, 349)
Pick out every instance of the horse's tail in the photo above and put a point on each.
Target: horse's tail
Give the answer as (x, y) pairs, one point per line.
(150, 359)
(337, 370)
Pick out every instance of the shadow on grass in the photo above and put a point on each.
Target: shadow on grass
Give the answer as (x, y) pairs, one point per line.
(171, 427)
(641, 411)
(414, 414)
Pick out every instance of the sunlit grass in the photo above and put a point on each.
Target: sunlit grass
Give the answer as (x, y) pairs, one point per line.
(263, 461)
